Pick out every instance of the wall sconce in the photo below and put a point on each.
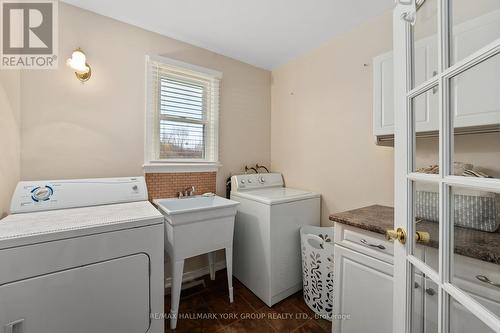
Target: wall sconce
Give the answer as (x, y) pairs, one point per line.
(78, 62)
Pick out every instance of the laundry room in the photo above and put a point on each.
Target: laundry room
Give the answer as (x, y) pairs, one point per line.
(231, 166)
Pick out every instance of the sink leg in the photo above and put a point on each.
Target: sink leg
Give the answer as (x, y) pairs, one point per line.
(177, 270)
(211, 265)
(229, 267)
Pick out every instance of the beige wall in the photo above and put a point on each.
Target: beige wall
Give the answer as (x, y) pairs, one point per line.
(9, 136)
(96, 129)
(321, 134)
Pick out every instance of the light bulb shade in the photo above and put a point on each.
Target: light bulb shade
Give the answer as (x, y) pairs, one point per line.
(78, 62)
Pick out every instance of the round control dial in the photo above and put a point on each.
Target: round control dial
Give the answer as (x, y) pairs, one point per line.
(42, 193)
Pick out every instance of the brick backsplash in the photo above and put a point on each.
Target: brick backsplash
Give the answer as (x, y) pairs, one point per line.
(166, 185)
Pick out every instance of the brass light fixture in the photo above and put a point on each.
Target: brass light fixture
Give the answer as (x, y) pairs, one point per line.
(78, 62)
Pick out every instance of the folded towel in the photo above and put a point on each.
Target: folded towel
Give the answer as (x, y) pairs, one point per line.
(459, 169)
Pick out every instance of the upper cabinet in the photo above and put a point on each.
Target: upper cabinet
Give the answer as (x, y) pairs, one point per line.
(472, 104)
(383, 94)
(477, 91)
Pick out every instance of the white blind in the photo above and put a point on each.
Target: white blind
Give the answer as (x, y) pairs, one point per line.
(184, 112)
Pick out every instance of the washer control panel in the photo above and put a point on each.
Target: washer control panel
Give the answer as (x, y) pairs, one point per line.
(255, 181)
(32, 196)
(42, 193)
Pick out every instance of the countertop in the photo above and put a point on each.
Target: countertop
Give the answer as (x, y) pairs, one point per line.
(471, 243)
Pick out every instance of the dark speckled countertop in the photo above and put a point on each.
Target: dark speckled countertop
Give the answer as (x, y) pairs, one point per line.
(476, 244)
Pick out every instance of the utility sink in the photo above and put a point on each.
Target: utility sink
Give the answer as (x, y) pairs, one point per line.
(194, 226)
(195, 209)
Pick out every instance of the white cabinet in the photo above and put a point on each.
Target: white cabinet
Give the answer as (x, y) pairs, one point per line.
(426, 107)
(430, 297)
(461, 320)
(363, 289)
(476, 94)
(383, 94)
(418, 304)
(475, 97)
(363, 286)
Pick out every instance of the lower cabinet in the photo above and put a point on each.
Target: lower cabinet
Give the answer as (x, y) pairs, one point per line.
(462, 321)
(363, 293)
(363, 287)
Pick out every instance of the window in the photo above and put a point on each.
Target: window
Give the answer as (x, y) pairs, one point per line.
(182, 115)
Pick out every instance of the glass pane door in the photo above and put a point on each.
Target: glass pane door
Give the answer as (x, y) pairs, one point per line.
(447, 87)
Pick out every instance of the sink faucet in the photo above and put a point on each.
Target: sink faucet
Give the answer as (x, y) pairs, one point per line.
(188, 192)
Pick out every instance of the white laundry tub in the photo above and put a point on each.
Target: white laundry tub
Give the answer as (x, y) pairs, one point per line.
(317, 269)
(194, 226)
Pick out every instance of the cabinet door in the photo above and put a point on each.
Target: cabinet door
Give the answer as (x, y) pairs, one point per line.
(363, 293)
(476, 104)
(472, 104)
(418, 316)
(463, 321)
(426, 109)
(431, 306)
(383, 94)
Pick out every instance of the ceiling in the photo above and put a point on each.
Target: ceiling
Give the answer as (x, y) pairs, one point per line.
(264, 33)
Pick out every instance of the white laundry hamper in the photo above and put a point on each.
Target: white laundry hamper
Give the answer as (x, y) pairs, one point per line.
(317, 269)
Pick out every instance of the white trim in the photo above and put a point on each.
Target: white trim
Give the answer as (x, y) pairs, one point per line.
(181, 167)
(424, 268)
(177, 63)
(405, 152)
(402, 148)
(148, 121)
(487, 184)
(151, 142)
(424, 177)
(196, 274)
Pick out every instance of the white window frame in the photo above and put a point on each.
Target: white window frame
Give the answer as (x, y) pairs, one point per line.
(152, 163)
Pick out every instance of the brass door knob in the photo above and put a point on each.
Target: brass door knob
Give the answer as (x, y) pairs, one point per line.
(422, 237)
(398, 234)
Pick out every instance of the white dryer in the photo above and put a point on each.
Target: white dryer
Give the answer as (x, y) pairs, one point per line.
(81, 256)
(267, 252)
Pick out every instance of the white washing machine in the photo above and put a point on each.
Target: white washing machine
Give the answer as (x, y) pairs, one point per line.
(267, 255)
(81, 256)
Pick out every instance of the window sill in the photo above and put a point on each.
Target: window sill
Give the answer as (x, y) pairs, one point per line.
(181, 167)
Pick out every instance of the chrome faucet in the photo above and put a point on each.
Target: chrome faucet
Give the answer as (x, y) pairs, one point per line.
(188, 192)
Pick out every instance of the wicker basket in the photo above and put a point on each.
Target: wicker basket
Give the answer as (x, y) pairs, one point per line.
(474, 212)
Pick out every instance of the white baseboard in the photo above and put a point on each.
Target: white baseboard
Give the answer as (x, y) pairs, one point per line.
(196, 274)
